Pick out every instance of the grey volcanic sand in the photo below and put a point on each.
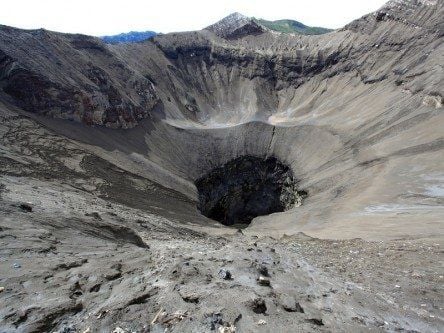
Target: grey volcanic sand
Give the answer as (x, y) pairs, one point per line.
(101, 146)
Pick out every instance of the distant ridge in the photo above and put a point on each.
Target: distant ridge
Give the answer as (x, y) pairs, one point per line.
(233, 26)
(129, 37)
(292, 26)
(237, 25)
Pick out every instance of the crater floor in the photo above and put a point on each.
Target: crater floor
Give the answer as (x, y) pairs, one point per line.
(245, 188)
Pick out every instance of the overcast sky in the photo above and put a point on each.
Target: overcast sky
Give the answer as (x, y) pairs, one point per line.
(95, 17)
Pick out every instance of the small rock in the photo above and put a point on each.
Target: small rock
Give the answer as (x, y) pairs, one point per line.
(263, 270)
(16, 265)
(263, 281)
(26, 207)
(189, 297)
(379, 323)
(316, 321)
(214, 319)
(262, 322)
(94, 215)
(118, 330)
(258, 306)
(289, 304)
(2, 289)
(225, 274)
(67, 329)
(434, 101)
(227, 329)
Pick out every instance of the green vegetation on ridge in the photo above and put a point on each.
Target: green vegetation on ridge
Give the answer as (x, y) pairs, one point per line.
(291, 26)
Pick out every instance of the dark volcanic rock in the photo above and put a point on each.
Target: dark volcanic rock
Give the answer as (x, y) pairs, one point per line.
(245, 188)
(26, 207)
(236, 26)
(225, 274)
(258, 306)
(73, 77)
(264, 281)
(289, 304)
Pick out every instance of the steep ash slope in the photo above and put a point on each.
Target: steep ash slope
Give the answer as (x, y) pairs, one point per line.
(356, 111)
(72, 77)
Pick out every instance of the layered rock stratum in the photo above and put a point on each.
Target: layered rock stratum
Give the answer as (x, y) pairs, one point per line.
(102, 145)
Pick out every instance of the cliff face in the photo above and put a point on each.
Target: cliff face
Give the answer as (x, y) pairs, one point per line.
(72, 77)
(213, 71)
(218, 79)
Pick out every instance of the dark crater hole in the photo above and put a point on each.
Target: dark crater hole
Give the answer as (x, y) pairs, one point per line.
(246, 187)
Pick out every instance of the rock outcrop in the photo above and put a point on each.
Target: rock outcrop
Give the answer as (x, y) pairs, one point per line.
(72, 77)
(236, 26)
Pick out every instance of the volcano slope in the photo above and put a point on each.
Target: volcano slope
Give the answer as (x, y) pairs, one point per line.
(228, 179)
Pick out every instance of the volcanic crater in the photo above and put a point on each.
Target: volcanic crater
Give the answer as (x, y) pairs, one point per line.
(247, 187)
(188, 176)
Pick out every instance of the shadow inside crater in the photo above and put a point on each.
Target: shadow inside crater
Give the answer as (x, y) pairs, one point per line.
(247, 187)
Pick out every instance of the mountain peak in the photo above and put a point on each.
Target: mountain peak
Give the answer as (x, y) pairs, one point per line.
(236, 26)
(235, 16)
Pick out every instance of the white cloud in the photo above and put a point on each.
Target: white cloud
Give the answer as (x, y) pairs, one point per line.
(110, 17)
